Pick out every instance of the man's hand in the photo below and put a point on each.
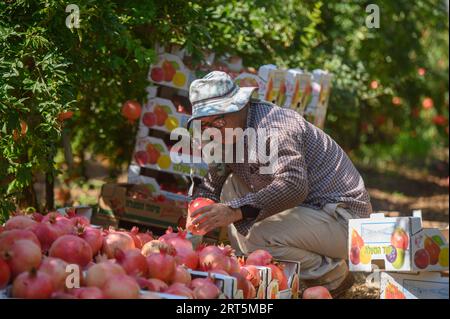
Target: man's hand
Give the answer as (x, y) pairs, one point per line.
(213, 216)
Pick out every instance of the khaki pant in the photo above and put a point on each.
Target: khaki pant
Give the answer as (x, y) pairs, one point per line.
(315, 238)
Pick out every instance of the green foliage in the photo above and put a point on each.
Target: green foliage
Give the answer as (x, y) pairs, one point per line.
(47, 68)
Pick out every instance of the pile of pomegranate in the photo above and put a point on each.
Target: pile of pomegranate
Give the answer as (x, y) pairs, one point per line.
(35, 251)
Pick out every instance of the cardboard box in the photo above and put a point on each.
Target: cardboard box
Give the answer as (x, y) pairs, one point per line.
(424, 285)
(160, 105)
(153, 153)
(298, 90)
(140, 204)
(396, 244)
(292, 272)
(316, 110)
(226, 284)
(275, 91)
(169, 70)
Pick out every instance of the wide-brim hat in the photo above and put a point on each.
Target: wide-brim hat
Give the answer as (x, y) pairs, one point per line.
(217, 94)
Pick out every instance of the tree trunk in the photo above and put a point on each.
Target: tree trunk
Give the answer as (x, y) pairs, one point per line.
(49, 192)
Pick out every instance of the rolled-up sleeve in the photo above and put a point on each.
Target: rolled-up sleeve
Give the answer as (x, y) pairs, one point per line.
(289, 187)
(211, 184)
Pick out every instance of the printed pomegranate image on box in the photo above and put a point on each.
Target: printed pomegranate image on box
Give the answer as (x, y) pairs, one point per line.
(400, 242)
(170, 71)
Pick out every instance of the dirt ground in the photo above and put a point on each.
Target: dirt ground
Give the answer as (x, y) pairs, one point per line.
(395, 191)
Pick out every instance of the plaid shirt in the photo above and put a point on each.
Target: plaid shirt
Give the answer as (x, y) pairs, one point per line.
(312, 170)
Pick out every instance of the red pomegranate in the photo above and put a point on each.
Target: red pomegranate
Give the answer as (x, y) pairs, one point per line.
(181, 275)
(317, 292)
(72, 249)
(204, 288)
(251, 273)
(114, 240)
(180, 289)
(93, 236)
(131, 110)
(19, 222)
(259, 258)
(88, 293)
(245, 285)
(278, 274)
(23, 255)
(156, 246)
(161, 266)
(32, 285)
(61, 223)
(152, 284)
(121, 287)
(98, 274)
(56, 269)
(9, 237)
(145, 237)
(213, 257)
(46, 234)
(193, 206)
(132, 261)
(134, 234)
(5, 274)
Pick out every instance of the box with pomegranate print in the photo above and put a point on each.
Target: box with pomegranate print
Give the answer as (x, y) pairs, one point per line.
(152, 152)
(316, 109)
(424, 285)
(277, 270)
(275, 89)
(170, 71)
(141, 204)
(298, 90)
(397, 243)
(160, 114)
(291, 270)
(226, 284)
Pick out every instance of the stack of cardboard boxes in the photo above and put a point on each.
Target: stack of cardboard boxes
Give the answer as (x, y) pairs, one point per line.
(411, 262)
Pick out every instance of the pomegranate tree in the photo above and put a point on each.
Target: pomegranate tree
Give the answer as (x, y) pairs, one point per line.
(72, 249)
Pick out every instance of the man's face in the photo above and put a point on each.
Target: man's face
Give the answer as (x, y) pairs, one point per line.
(222, 122)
